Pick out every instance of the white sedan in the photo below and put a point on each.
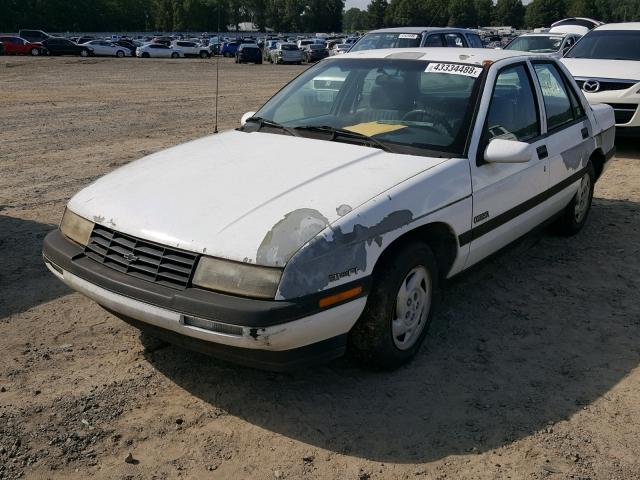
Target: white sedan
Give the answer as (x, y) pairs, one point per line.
(329, 219)
(105, 48)
(157, 50)
(606, 65)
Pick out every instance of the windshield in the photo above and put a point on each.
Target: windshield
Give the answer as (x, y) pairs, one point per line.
(537, 44)
(608, 45)
(288, 47)
(411, 106)
(372, 41)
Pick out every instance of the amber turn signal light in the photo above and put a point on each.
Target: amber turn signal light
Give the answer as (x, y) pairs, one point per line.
(339, 297)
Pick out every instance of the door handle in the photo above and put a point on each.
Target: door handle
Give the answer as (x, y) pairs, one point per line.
(542, 152)
(584, 132)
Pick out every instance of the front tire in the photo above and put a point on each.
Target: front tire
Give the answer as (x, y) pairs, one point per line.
(84, 53)
(35, 52)
(175, 55)
(398, 312)
(576, 212)
(145, 55)
(119, 54)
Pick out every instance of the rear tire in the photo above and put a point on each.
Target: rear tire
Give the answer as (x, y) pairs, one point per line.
(84, 53)
(396, 318)
(175, 55)
(204, 55)
(576, 212)
(119, 54)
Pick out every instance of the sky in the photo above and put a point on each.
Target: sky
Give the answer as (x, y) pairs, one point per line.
(356, 3)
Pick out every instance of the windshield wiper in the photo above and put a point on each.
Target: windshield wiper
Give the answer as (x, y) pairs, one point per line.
(341, 132)
(263, 122)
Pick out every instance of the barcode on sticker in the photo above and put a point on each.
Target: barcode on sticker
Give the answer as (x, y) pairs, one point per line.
(454, 69)
(408, 35)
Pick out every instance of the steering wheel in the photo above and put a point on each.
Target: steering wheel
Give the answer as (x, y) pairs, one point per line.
(438, 120)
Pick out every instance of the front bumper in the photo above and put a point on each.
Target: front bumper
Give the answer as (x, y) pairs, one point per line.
(625, 104)
(266, 334)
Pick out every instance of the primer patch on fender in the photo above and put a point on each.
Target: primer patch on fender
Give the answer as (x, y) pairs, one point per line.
(454, 69)
(333, 251)
(289, 234)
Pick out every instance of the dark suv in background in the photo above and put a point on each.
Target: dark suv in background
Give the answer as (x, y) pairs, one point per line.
(248, 52)
(33, 35)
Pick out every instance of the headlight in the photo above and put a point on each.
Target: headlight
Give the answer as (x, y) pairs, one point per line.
(75, 227)
(237, 278)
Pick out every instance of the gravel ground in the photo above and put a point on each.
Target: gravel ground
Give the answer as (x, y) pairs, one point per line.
(530, 371)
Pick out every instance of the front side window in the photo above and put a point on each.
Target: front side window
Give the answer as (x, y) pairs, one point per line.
(412, 106)
(475, 41)
(513, 114)
(556, 99)
(373, 41)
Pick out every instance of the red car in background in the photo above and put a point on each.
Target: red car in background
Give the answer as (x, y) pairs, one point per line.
(20, 46)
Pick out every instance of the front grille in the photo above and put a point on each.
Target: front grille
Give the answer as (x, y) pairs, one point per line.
(610, 85)
(623, 111)
(140, 258)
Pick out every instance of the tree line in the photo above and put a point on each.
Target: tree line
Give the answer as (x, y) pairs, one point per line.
(170, 15)
(296, 15)
(474, 13)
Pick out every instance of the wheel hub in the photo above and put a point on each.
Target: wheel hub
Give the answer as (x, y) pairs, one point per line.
(412, 308)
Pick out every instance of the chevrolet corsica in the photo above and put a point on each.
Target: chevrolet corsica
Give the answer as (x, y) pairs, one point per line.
(329, 218)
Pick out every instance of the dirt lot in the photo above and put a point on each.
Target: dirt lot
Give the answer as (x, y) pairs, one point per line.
(531, 370)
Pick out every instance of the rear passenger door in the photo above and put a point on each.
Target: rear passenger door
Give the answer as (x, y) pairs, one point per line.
(508, 197)
(569, 142)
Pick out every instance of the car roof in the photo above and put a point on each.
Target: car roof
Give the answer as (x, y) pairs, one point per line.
(545, 34)
(619, 26)
(439, 54)
(417, 30)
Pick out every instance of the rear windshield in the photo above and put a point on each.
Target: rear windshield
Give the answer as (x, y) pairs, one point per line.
(373, 41)
(608, 45)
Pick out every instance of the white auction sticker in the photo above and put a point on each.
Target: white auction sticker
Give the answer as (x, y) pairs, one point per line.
(454, 69)
(408, 35)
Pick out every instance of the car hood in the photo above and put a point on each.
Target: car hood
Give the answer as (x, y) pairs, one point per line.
(230, 194)
(592, 68)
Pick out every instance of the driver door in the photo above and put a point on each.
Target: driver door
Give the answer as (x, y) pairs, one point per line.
(505, 195)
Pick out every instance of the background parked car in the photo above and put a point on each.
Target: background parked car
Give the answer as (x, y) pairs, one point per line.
(314, 52)
(229, 48)
(104, 48)
(248, 52)
(1, 48)
(128, 44)
(62, 46)
(606, 65)
(157, 50)
(191, 49)
(268, 46)
(20, 46)
(83, 39)
(286, 53)
(33, 35)
(407, 37)
(339, 49)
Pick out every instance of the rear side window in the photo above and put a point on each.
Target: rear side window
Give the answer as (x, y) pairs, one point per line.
(556, 98)
(513, 114)
(474, 41)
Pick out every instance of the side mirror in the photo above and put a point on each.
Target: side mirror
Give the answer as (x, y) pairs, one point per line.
(508, 151)
(244, 118)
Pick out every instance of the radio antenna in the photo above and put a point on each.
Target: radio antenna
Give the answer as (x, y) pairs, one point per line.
(215, 125)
